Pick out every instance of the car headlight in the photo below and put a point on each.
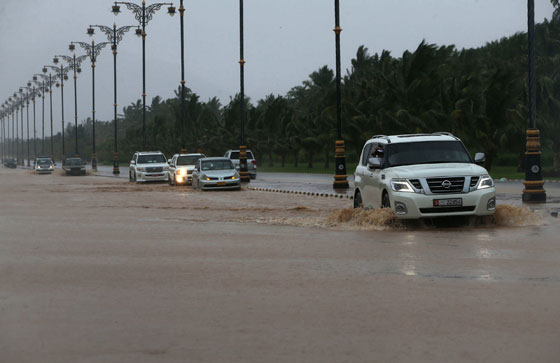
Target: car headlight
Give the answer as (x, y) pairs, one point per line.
(141, 169)
(486, 181)
(203, 177)
(166, 168)
(181, 172)
(401, 185)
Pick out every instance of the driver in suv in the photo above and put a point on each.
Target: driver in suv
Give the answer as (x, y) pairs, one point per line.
(423, 175)
(148, 166)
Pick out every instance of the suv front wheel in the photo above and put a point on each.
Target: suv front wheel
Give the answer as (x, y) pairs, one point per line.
(358, 200)
(385, 201)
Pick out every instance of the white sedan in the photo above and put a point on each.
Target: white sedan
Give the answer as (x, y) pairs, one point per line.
(215, 173)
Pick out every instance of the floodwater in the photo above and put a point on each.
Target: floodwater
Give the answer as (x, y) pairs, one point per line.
(102, 270)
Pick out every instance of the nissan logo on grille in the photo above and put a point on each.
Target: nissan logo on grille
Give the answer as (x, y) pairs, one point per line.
(446, 184)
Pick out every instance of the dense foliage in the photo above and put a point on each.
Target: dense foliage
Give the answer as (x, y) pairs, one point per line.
(478, 94)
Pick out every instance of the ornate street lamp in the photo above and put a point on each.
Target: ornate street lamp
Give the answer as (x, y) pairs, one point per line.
(62, 76)
(43, 89)
(534, 191)
(340, 177)
(27, 97)
(50, 82)
(74, 65)
(171, 11)
(22, 107)
(92, 51)
(143, 15)
(243, 169)
(114, 36)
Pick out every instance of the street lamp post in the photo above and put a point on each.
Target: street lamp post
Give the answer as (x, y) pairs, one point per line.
(243, 169)
(61, 72)
(340, 177)
(50, 81)
(27, 96)
(22, 107)
(74, 65)
(143, 15)
(114, 36)
(183, 106)
(34, 93)
(92, 52)
(534, 190)
(42, 95)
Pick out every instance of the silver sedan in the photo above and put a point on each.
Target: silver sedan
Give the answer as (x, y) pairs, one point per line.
(215, 173)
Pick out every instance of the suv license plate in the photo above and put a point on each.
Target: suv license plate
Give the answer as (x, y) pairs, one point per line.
(453, 202)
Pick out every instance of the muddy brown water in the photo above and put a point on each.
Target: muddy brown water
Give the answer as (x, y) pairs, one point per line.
(102, 270)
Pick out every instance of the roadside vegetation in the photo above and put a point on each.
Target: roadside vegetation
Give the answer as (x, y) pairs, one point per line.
(477, 94)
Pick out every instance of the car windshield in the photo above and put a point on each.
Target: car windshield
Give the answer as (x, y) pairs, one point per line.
(427, 152)
(188, 160)
(43, 162)
(235, 155)
(217, 165)
(151, 159)
(74, 162)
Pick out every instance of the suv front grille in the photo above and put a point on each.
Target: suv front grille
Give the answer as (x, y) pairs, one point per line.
(154, 169)
(446, 185)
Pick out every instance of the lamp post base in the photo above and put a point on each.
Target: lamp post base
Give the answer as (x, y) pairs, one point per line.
(534, 191)
(243, 168)
(340, 177)
(94, 162)
(116, 170)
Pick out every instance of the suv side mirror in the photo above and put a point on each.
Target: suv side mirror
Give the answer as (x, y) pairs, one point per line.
(374, 163)
(479, 158)
(169, 161)
(132, 162)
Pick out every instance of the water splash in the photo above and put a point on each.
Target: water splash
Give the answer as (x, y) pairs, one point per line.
(364, 219)
(385, 219)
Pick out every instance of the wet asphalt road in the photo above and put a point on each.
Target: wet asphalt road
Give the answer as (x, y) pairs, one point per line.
(97, 269)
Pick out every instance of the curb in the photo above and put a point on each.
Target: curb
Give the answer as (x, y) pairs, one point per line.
(312, 194)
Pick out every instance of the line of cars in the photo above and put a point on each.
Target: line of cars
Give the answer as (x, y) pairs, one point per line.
(194, 169)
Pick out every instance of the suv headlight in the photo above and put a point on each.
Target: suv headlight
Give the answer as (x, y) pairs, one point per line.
(166, 168)
(181, 172)
(486, 181)
(401, 185)
(141, 169)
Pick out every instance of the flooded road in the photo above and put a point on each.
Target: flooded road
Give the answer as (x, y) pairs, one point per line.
(101, 270)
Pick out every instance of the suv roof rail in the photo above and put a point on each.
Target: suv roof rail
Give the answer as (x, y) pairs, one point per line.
(445, 134)
(382, 137)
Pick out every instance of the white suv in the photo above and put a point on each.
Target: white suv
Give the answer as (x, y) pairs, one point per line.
(181, 167)
(148, 166)
(423, 176)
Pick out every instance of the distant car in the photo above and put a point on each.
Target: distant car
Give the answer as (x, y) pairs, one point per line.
(233, 155)
(215, 173)
(181, 167)
(74, 166)
(44, 165)
(10, 163)
(148, 166)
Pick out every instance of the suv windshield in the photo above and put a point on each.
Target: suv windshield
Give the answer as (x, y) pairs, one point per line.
(74, 162)
(151, 159)
(235, 155)
(427, 152)
(217, 165)
(43, 161)
(188, 160)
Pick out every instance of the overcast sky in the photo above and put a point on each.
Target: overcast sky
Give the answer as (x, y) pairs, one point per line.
(285, 41)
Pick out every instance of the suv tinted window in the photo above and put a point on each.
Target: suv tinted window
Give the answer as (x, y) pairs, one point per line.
(366, 154)
(188, 160)
(235, 155)
(427, 152)
(151, 159)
